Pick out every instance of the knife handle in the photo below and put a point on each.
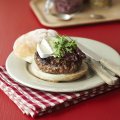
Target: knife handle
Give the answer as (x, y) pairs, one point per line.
(111, 66)
(103, 74)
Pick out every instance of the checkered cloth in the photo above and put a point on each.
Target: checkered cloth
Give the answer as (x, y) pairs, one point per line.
(36, 103)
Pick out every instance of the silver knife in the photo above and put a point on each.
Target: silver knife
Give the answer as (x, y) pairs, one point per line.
(102, 73)
(107, 63)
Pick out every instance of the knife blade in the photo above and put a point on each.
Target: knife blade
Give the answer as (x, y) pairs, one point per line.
(107, 63)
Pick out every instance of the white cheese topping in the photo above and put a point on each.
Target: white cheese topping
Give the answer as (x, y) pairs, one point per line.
(44, 49)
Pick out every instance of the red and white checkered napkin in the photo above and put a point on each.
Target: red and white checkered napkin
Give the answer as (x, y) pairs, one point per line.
(36, 103)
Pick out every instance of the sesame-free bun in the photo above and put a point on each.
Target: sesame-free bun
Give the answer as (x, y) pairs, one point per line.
(33, 69)
(25, 46)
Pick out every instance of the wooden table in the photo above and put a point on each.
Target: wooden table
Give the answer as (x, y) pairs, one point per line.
(17, 18)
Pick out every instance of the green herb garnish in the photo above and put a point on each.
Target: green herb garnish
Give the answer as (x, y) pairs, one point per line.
(63, 45)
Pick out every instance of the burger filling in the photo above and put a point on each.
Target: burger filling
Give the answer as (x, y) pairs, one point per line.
(66, 57)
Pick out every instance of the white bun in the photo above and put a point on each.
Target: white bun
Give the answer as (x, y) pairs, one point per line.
(25, 46)
(33, 69)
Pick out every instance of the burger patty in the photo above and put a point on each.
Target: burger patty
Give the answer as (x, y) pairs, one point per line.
(70, 63)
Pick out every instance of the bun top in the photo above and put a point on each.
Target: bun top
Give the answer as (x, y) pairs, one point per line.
(25, 46)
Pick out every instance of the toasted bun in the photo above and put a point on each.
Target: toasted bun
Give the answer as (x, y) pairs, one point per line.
(25, 46)
(33, 68)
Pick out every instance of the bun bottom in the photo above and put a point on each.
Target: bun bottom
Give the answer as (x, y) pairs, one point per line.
(33, 69)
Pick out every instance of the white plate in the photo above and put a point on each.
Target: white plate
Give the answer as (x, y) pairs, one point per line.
(17, 70)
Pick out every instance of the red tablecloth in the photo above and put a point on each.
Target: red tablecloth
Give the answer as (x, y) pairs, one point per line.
(17, 18)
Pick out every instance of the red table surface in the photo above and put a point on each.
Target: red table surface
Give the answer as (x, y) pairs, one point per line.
(16, 18)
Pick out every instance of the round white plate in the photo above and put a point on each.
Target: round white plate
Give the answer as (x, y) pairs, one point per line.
(18, 71)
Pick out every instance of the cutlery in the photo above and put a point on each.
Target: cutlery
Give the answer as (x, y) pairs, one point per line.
(97, 16)
(63, 16)
(107, 63)
(102, 73)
